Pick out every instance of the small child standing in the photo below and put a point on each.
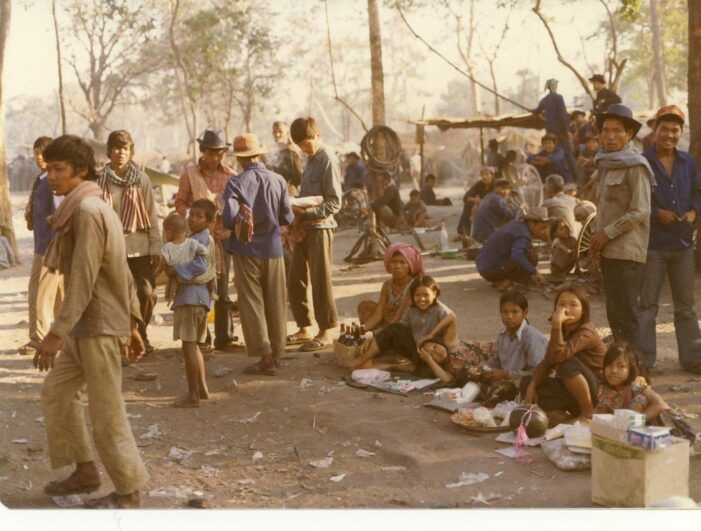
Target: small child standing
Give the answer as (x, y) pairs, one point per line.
(426, 322)
(178, 249)
(564, 251)
(623, 388)
(193, 301)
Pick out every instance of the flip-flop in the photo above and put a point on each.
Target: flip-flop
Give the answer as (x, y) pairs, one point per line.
(314, 345)
(111, 501)
(294, 339)
(260, 369)
(70, 485)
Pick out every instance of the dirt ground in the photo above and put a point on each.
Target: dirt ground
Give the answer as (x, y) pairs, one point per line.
(250, 446)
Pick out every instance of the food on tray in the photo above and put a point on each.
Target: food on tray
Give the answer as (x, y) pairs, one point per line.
(474, 418)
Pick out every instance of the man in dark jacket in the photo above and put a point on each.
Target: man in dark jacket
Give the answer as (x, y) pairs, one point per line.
(557, 121)
(604, 97)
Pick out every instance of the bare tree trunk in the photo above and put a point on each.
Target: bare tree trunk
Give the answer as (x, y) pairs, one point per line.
(494, 85)
(694, 78)
(657, 54)
(61, 101)
(377, 74)
(6, 226)
(651, 91)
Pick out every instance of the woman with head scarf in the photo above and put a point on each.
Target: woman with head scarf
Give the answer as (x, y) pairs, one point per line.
(403, 261)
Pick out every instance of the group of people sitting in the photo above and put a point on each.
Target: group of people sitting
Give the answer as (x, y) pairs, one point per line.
(573, 374)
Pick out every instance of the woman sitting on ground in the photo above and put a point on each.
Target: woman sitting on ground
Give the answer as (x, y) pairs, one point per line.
(575, 356)
(403, 261)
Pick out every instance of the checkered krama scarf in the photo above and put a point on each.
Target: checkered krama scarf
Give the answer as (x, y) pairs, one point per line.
(134, 211)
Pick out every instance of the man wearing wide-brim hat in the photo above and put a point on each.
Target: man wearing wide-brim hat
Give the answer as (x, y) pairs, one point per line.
(508, 255)
(676, 202)
(256, 204)
(207, 180)
(623, 218)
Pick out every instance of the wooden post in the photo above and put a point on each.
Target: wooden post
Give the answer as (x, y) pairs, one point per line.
(422, 134)
(481, 147)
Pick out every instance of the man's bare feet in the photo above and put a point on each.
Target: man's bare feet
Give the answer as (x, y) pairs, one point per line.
(84, 479)
(187, 401)
(204, 394)
(300, 336)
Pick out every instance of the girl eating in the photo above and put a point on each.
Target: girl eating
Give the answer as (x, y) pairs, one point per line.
(427, 325)
(566, 381)
(404, 263)
(623, 388)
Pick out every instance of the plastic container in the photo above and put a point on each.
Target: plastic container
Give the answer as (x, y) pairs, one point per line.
(471, 391)
(444, 238)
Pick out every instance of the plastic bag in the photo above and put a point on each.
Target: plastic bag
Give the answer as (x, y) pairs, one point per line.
(369, 376)
(563, 458)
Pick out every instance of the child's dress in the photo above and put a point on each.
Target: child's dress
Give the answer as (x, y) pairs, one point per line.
(630, 397)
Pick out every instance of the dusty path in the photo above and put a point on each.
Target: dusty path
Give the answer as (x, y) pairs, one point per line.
(304, 414)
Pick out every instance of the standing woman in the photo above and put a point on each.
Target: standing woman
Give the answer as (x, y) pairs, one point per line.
(127, 190)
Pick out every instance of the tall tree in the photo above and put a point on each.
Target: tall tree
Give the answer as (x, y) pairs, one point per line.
(61, 99)
(6, 226)
(694, 78)
(108, 36)
(660, 73)
(377, 74)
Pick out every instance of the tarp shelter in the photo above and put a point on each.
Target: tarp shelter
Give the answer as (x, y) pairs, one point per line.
(523, 121)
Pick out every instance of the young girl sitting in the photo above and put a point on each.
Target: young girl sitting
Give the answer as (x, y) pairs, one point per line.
(404, 263)
(564, 250)
(566, 381)
(427, 321)
(623, 388)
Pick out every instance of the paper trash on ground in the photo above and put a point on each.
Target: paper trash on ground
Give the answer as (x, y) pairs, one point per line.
(178, 454)
(468, 479)
(363, 453)
(322, 463)
(338, 478)
(152, 432)
(250, 420)
(68, 501)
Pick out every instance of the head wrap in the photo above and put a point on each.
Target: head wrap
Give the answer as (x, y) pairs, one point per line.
(412, 255)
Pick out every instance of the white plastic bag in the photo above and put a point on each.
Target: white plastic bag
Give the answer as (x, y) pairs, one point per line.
(368, 376)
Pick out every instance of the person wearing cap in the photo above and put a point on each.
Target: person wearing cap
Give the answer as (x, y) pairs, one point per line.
(508, 255)
(127, 189)
(258, 202)
(559, 204)
(676, 201)
(494, 158)
(493, 211)
(472, 198)
(312, 258)
(557, 123)
(207, 180)
(604, 97)
(355, 172)
(623, 218)
(551, 159)
(570, 189)
(286, 160)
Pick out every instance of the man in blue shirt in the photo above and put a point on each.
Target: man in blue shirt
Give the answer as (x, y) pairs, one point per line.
(557, 121)
(550, 160)
(676, 201)
(493, 211)
(508, 255)
(256, 204)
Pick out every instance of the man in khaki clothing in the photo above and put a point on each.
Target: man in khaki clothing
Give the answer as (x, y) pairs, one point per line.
(256, 203)
(95, 326)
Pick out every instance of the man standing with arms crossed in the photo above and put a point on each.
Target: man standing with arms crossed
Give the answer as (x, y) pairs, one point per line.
(312, 258)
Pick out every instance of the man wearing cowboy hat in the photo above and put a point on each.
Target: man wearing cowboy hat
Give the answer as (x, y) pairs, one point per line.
(604, 97)
(623, 218)
(256, 204)
(508, 255)
(557, 122)
(676, 201)
(207, 180)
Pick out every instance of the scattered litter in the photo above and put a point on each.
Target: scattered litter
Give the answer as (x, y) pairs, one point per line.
(258, 455)
(14, 414)
(40, 420)
(338, 478)
(152, 432)
(563, 458)
(322, 463)
(146, 377)
(245, 481)
(394, 469)
(19, 441)
(212, 452)
(235, 383)
(177, 454)
(250, 420)
(132, 416)
(481, 498)
(222, 371)
(176, 493)
(369, 376)
(68, 501)
(468, 479)
(498, 474)
(507, 452)
(346, 444)
(210, 471)
(363, 453)
(157, 319)
(296, 451)
(378, 444)
(680, 388)
(304, 383)
(509, 437)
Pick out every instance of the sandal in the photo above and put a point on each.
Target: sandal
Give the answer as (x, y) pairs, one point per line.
(296, 339)
(111, 501)
(261, 369)
(27, 349)
(68, 486)
(315, 344)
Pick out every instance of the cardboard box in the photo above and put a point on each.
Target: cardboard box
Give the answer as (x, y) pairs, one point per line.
(649, 438)
(609, 430)
(626, 476)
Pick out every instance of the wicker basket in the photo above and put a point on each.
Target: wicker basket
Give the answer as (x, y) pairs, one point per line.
(345, 354)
